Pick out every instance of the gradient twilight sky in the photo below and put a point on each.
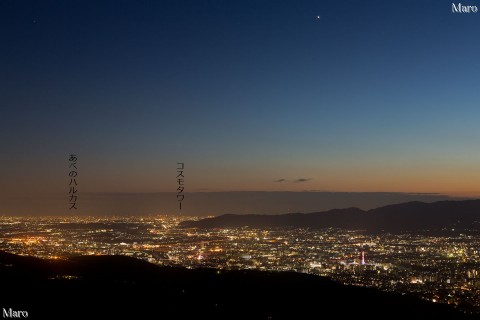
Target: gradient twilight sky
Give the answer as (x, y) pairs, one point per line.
(373, 96)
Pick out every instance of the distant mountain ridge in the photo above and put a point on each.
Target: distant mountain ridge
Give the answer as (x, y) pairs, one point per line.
(408, 216)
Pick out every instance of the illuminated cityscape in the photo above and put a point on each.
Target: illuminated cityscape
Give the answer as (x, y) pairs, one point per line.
(333, 146)
(440, 268)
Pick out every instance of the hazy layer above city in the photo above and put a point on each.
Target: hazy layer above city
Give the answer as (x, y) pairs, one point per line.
(207, 203)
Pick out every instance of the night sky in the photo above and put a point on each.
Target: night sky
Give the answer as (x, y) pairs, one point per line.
(351, 96)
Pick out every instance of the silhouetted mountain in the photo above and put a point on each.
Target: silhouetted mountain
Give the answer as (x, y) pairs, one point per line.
(400, 217)
(111, 287)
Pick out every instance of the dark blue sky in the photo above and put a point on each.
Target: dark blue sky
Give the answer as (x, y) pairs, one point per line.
(373, 96)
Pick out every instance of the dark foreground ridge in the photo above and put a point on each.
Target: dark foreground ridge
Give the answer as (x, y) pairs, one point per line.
(410, 216)
(118, 287)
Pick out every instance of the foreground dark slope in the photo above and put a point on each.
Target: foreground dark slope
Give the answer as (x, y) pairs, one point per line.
(111, 287)
(400, 217)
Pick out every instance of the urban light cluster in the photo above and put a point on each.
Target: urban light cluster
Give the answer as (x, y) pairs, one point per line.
(443, 268)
